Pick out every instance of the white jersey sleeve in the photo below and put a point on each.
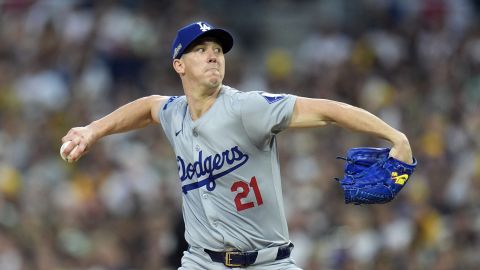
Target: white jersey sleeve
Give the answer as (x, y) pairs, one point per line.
(264, 115)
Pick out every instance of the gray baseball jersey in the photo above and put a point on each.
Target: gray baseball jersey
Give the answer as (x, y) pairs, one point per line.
(229, 169)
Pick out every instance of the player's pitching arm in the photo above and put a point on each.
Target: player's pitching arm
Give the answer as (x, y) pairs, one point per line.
(319, 112)
(134, 115)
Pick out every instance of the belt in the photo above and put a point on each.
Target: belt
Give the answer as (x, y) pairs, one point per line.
(244, 259)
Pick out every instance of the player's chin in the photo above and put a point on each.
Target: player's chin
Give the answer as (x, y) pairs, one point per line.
(214, 81)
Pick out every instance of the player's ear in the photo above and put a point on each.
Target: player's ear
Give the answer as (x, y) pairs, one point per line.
(179, 66)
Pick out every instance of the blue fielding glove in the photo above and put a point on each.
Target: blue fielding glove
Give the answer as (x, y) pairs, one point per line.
(372, 177)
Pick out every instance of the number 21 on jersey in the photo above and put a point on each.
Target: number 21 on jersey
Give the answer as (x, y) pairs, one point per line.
(243, 189)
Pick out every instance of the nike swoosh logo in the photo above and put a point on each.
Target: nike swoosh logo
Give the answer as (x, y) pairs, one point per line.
(178, 132)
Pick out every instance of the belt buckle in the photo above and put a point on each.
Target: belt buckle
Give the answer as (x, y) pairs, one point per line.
(228, 258)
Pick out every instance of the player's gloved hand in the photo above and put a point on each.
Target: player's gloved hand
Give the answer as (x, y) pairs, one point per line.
(82, 138)
(372, 176)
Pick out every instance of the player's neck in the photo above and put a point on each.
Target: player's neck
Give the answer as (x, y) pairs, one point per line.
(200, 100)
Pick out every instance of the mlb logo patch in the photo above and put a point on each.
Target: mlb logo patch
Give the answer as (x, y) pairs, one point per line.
(272, 98)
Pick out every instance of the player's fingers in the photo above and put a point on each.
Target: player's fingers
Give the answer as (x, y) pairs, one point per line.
(79, 151)
(78, 155)
(80, 139)
(69, 147)
(73, 143)
(82, 147)
(64, 151)
(72, 155)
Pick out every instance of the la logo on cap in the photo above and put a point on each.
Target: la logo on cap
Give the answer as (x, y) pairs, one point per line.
(189, 33)
(204, 27)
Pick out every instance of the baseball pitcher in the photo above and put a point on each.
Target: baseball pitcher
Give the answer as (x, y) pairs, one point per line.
(225, 146)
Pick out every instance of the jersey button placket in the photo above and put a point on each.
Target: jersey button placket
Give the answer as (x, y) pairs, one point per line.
(195, 146)
(207, 206)
(209, 209)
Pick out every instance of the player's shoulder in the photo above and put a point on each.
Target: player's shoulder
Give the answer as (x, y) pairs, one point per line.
(234, 94)
(174, 105)
(174, 102)
(229, 92)
(261, 96)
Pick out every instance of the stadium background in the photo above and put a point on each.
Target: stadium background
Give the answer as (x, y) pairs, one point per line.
(64, 63)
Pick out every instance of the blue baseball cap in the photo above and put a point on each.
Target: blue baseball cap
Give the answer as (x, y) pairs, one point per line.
(190, 33)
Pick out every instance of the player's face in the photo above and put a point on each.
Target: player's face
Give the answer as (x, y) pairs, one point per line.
(205, 63)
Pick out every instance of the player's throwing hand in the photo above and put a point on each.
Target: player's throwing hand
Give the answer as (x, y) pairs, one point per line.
(81, 139)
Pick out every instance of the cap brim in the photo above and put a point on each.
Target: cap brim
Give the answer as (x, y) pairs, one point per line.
(224, 37)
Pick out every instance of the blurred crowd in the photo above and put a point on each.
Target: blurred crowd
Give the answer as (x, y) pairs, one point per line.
(416, 64)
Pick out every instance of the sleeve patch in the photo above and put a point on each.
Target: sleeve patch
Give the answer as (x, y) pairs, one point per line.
(272, 98)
